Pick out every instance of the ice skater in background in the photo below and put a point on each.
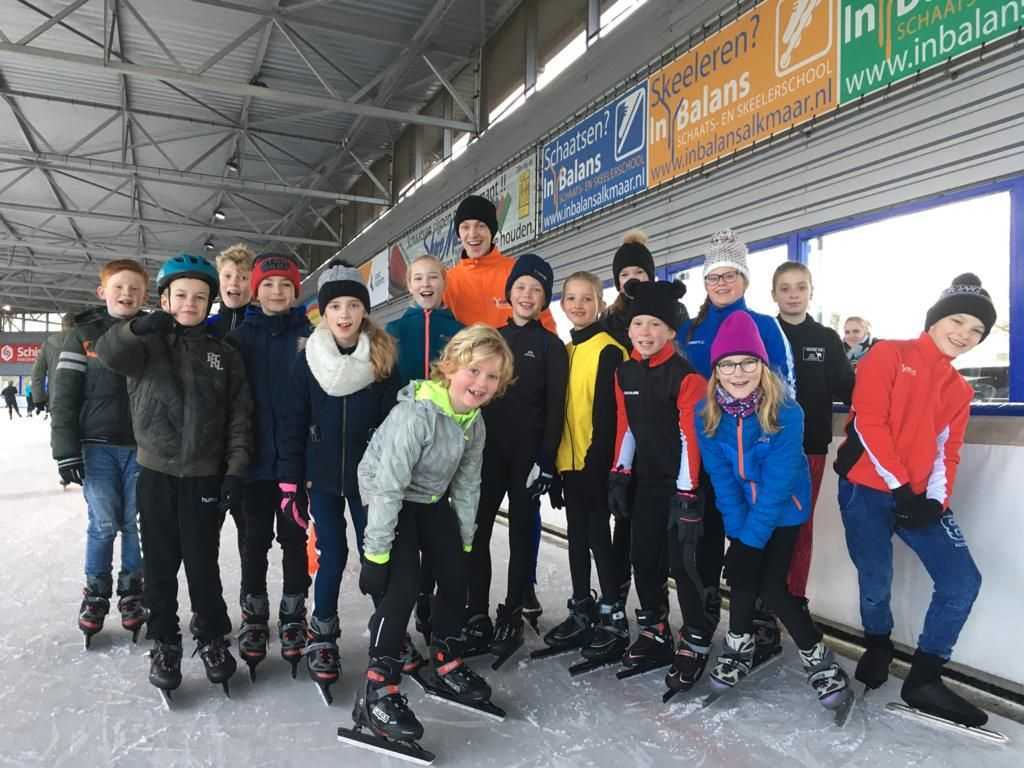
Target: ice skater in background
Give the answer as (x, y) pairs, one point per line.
(342, 386)
(751, 443)
(897, 469)
(191, 415)
(10, 394)
(420, 477)
(93, 444)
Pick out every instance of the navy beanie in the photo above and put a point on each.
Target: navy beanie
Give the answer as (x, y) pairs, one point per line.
(533, 265)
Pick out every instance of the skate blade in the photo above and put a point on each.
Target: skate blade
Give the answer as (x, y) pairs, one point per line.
(994, 737)
(591, 665)
(409, 751)
(842, 712)
(670, 694)
(718, 694)
(532, 622)
(503, 657)
(325, 692)
(485, 708)
(227, 689)
(167, 698)
(551, 651)
(640, 669)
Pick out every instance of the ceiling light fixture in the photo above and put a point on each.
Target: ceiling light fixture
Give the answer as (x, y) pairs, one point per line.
(232, 165)
(208, 245)
(219, 215)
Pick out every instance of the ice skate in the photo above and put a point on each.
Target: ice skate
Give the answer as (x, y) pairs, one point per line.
(733, 666)
(652, 648)
(220, 664)
(829, 681)
(129, 604)
(608, 642)
(291, 629)
(165, 669)
(532, 609)
(479, 634)
(689, 663)
(412, 659)
(508, 635)
(449, 678)
(321, 654)
(873, 665)
(574, 632)
(767, 637)
(93, 610)
(254, 634)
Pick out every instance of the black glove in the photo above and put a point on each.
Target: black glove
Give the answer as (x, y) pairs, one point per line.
(72, 470)
(618, 493)
(555, 495)
(538, 482)
(915, 510)
(373, 578)
(686, 515)
(154, 322)
(232, 489)
(743, 566)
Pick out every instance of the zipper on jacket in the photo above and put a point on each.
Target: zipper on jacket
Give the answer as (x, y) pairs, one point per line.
(426, 343)
(739, 448)
(344, 437)
(568, 420)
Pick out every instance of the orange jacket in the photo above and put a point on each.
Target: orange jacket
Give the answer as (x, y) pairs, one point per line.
(908, 419)
(474, 291)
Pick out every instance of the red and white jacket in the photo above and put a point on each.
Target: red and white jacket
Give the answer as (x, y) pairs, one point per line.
(908, 419)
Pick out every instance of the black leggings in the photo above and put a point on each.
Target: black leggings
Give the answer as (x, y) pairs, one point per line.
(586, 512)
(261, 512)
(711, 553)
(773, 590)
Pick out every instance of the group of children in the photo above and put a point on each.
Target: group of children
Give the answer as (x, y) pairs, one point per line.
(421, 431)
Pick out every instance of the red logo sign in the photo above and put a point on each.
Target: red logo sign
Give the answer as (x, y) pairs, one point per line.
(19, 354)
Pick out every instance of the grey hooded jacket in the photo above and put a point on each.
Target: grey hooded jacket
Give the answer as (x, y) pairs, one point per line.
(418, 453)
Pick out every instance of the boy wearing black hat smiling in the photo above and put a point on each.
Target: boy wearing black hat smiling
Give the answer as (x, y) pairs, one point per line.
(897, 469)
(524, 428)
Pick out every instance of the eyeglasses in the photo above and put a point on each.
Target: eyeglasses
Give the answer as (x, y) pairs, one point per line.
(728, 367)
(722, 277)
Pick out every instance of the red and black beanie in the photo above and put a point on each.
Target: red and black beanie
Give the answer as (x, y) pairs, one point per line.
(275, 265)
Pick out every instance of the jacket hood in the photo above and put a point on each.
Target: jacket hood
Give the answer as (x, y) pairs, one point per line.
(438, 396)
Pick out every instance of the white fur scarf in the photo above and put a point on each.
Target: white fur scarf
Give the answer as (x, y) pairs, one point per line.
(337, 374)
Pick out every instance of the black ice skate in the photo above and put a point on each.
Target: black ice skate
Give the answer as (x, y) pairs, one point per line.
(767, 637)
(254, 634)
(479, 634)
(93, 610)
(532, 609)
(608, 642)
(873, 665)
(689, 663)
(449, 678)
(321, 654)
(291, 629)
(412, 659)
(652, 648)
(733, 666)
(220, 664)
(574, 632)
(508, 635)
(829, 681)
(165, 668)
(130, 605)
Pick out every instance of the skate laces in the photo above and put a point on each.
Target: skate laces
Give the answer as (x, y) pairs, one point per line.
(213, 652)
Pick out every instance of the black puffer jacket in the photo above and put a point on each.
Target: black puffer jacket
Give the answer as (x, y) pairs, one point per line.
(88, 401)
(190, 400)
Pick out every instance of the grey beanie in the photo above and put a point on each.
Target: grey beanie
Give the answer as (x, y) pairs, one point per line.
(727, 250)
(340, 280)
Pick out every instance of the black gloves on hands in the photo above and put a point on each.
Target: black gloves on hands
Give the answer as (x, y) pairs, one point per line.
(915, 510)
(618, 493)
(232, 489)
(686, 515)
(538, 482)
(72, 470)
(555, 495)
(743, 566)
(373, 578)
(154, 322)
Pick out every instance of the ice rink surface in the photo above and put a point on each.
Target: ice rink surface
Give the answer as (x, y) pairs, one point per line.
(61, 705)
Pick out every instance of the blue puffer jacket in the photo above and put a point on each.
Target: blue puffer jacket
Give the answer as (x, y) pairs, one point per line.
(269, 345)
(421, 336)
(323, 436)
(761, 481)
(698, 348)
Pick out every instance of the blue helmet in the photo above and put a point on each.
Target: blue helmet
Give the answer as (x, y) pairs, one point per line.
(187, 265)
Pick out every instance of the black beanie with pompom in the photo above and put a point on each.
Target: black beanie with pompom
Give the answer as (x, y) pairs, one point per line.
(964, 296)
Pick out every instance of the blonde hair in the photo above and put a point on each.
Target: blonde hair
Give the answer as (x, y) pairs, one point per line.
(477, 342)
(593, 280)
(767, 411)
(426, 257)
(383, 349)
(858, 319)
(239, 254)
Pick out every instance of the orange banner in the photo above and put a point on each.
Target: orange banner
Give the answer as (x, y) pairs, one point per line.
(772, 68)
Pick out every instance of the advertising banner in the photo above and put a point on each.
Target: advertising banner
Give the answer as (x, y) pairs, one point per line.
(772, 68)
(378, 283)
(599, 161)
(19, 354)
(514, 194)
(884, 42)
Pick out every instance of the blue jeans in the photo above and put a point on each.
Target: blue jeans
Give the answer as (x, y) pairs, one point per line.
(328, 513)
(868, 516)
(109, 489)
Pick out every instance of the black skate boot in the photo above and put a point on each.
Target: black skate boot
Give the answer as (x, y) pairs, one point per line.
(735, 662)
(479, 634)
(94, 608)
(321, 654)
(165, 667)
(609, 640)
(924, 691)
(411, 657)
(129, 603)
(873, 666)
(220, 664)
(423, 616)
(254, 634)
(828, 680)
(652, 648)
(689, 662)
(767, 637)
(508, 634)
(292, 628)
(453, 675)
(574, 632)
(532, 609)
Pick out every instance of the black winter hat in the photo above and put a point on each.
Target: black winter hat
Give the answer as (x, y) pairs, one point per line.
(479, 208)
(341, 280)
(633, 253)
(660, 300)
(533, 265)
(964, 296)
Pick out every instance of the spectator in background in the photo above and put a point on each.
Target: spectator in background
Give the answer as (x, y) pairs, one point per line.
(10, 395)
(857, 339)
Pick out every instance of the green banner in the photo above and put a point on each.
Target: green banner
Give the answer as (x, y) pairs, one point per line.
(884, 41)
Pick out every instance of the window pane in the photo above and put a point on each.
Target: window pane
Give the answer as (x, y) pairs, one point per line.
(890, 272)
